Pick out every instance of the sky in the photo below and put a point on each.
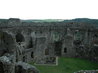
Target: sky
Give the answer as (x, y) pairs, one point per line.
(48, 9)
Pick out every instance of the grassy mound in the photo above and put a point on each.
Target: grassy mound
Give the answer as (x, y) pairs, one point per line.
(68, 65)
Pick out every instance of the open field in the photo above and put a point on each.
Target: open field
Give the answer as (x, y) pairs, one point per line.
(68, 65)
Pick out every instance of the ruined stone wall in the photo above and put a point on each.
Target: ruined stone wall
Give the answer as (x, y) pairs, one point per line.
(59, 38)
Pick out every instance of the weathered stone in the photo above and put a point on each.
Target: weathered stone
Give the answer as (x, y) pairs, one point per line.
(22, 67)
(6, 66)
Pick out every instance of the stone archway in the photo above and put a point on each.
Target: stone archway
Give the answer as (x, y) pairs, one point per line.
(1, 68)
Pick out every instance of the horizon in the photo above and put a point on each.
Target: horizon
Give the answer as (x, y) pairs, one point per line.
(49, 19)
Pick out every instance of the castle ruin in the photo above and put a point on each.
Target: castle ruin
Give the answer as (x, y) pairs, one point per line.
(22, 42)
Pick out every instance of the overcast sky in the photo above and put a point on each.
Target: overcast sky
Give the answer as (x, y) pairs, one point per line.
(49, 9)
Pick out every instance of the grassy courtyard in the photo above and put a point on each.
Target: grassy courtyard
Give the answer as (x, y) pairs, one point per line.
(68, 65)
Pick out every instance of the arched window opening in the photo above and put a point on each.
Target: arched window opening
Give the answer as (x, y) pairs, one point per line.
(30, 45)
(19, 37)
(65, 50)
(46, 51)
(32, 54)
(24, 58)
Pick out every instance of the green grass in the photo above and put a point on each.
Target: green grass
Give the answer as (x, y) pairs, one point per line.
(68, 65)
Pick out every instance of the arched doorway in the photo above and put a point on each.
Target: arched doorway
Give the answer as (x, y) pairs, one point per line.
(1, 68)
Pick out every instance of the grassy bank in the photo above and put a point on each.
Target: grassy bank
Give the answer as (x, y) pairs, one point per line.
(68, 65)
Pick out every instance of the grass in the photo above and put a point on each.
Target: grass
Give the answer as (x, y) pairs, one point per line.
(68, 65)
